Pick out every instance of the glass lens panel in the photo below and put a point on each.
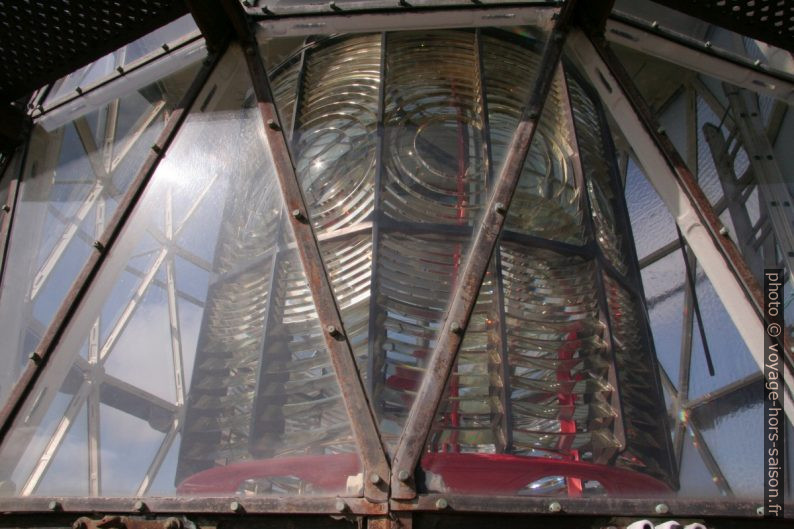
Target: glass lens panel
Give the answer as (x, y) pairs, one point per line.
(196, 358)
(72, 182)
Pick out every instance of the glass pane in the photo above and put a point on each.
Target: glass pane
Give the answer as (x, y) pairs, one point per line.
(197, 350)
(73, 179)
(651, 223)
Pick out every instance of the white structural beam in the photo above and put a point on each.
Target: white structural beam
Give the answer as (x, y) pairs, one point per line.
(656, 45)
(686, 203)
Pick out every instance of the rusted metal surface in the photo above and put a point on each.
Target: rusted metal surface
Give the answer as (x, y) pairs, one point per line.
(417, 427)
(226, 506)
(451, 503)
(362, 419)
(126, 522)
(81, 285)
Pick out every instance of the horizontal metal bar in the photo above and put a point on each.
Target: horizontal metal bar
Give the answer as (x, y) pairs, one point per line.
(696, 56)
(580, 506)
(466, 17)
(196, 505)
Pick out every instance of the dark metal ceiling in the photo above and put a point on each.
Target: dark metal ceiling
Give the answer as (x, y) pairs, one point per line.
(41, 41)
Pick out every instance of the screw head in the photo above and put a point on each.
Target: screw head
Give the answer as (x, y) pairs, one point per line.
(723, 231)
(660, 130)
(500, 208)
(403, 475)
(442, 503)
(662, 508)
(374, 478)
(271, 123)
(235, 506)
(707, 44)
(654, 24)
(555, 506)
(332, 330)
(340, 505)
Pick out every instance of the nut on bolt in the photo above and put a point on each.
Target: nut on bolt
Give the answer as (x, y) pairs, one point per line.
(172, 523)
(54, 505)
(298, 215)
(139, 506)
(35, 357)
(456, 328)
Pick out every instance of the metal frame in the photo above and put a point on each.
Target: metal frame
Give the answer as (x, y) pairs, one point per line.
(702, 230)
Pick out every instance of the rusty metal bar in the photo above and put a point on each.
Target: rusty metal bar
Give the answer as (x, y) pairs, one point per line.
(417, 427)
(81, 285)
(15, 165)
(221, 506)
(362, 419)
(605, 506)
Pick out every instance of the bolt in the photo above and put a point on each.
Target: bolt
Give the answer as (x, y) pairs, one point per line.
(662, 508)
(533, 114)
(172, 523)
(723, 231)
(54, 505)
(156, 148)
(273, 125)
(374, 478)
(403, 475)
(333, 6)
(404, 3)
(166, 47)
(759, 511)
(246, 3)
(139, 506)
(455, 328)
(298, 215)
(80, 523)
(98, 246)
(120, 69)
(555, 506)
(442, 503)
(235, 506)
(35, 357)
(340, 505)
(79, 90)
(707, 44)
(333, 331)
(500, 208)
(654, 24)
(6, 208)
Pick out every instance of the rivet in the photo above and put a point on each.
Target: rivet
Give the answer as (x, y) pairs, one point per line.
(662, 508)
(98, 246)
(500, 208)
(80, 524)
(35, 357)
(374, 478)
(340, 505)
(403, 475)
(139, 506)
(54, 505)
(79, 90)
(455, 328)
(442, 503)
(757, 62)
(533, 114)
(555, 506)
(660, 130)
(298, 215)
(246, 3)
(235, 506)
(6, 208)
(172, 523)
(404, 3)
(333, 6)
(273, 125)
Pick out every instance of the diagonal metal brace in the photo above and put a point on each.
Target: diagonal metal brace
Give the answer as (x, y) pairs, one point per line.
(417, 427)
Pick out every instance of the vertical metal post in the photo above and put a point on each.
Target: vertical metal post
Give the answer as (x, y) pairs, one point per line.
(361, 416)
(464, 296)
